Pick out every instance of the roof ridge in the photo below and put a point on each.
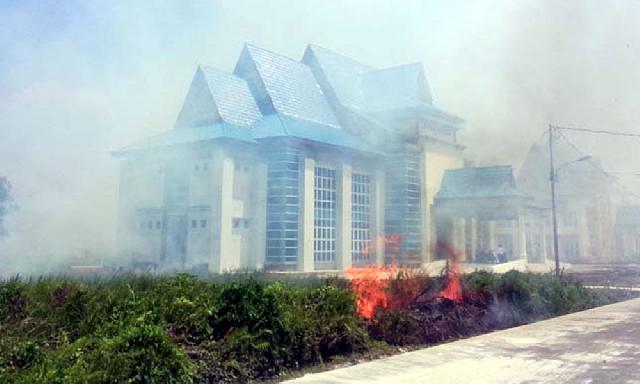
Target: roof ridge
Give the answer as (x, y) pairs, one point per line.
(249, 45)
(341, 55)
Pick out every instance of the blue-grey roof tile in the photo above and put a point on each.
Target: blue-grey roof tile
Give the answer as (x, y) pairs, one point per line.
(278, 125)
(216, 96)
(343, 74)
(478, 182)
(287, 85)
(232, 97)
(396, 87)
(191, 135)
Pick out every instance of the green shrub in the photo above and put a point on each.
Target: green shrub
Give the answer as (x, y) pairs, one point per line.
(140, 354)
(13, 303)
(238, 328)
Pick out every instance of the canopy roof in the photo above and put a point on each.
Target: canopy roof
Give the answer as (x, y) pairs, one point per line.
(481, 192)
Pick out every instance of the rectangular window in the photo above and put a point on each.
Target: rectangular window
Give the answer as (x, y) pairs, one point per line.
(324, 243)
(361, 217)
(282, 205)
(203, 223)
(194, 224)
(402, 208)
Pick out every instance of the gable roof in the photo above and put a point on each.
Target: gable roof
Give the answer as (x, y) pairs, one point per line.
(478, 182)
(575, 178)
(341, 74)
(396, 87)
(403, 89)
(283, 85)
(217, 96)
(271, 95)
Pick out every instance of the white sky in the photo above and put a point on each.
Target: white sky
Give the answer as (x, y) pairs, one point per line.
(81, 78)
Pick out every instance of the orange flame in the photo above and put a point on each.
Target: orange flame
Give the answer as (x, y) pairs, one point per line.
(371, 287)
(372, 283)
(453, 290)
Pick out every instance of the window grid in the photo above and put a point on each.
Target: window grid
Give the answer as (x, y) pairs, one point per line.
(282, 206)
(361, 217)
(324, 242)
(402, 212)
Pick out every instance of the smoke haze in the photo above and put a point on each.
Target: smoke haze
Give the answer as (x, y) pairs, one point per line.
(81, 78)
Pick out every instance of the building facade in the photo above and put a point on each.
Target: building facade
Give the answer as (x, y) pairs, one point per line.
(480, 210)
(290, 165)
(585, 198)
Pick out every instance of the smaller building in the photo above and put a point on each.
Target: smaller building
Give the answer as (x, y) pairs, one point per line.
(627, 230)
(585, 200)
(480, 210)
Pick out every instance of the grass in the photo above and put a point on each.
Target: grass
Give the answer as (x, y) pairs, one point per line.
(242, 328)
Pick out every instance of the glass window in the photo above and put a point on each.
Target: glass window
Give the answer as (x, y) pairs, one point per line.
(282, 204)
(325, 215)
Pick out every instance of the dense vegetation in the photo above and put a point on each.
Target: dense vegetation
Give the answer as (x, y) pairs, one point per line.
(180, 329)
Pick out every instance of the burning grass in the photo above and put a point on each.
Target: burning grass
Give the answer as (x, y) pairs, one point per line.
(181, 329)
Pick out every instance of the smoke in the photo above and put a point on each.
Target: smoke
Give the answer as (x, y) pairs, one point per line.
(81, 78)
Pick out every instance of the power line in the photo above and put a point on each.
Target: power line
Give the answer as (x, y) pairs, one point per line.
(603, 132)
(598, 168)
(609, 172)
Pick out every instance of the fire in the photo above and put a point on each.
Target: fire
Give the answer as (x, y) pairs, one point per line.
(389, 287)
(371, 286)
(453, 289)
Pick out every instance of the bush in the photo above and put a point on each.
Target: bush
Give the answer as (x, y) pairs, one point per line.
(239, 328)
(140, 354)
(13, 303)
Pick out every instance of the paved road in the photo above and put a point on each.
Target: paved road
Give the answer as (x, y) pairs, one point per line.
(601, 345)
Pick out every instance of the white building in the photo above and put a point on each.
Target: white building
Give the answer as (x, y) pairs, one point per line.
(290, 165)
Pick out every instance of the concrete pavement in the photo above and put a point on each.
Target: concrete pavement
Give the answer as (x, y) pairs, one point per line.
(601, 345)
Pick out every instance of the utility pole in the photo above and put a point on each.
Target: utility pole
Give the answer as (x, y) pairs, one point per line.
(552, 179)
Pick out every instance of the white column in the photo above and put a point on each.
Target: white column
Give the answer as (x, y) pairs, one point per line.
(259, 248)
(491, 233)
(306, 226)
(343, 215)
(522, 237)
(459, 237)
(377, 249)
(425, 210)
(221, 214)
(473, 226)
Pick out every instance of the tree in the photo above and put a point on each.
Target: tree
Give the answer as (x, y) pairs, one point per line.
(5, 200)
